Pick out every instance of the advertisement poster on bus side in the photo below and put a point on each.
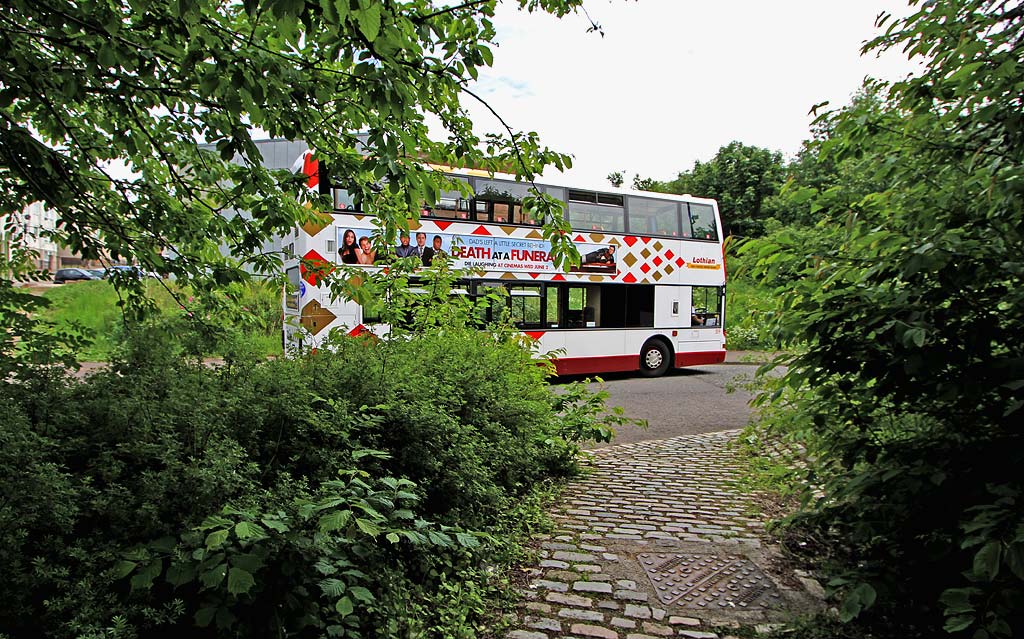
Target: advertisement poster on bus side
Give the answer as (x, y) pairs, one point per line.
(477, 252)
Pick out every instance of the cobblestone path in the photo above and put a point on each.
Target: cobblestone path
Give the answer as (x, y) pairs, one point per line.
(658, 542)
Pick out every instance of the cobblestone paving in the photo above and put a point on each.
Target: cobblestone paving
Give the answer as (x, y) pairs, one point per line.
(657, 542)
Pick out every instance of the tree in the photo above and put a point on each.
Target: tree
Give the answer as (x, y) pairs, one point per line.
(87, 86)
(818, 182)
(740, 177)
(908, 386)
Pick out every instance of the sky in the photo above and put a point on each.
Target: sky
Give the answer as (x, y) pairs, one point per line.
(672, 81)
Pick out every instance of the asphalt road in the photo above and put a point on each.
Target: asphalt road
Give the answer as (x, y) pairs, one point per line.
(683, 402)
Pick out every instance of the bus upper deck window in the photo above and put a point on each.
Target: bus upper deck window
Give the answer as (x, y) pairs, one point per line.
(702, 221)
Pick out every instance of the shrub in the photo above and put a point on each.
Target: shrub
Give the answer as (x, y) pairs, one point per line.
(349, 492)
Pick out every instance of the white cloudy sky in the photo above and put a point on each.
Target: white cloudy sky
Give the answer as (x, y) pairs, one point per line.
(671, 81)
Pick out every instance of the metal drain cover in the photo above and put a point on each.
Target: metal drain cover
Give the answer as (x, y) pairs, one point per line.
(700, 581)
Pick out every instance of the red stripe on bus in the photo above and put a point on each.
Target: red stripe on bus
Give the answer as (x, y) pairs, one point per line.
(588, 365)
(627, 363)
(700, 357)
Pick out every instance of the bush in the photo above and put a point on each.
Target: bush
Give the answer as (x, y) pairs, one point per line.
(349, 492)
(909, 391)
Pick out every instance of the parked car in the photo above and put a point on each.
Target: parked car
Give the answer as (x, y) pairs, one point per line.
(136, 271)
(98, 272)
(73, 275)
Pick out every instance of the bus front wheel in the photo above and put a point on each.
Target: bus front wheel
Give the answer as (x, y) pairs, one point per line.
(654, 358)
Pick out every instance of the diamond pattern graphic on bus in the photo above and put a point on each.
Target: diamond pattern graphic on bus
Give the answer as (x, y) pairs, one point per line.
(315, 317)
(318, 268)
(639, 259)
(313, 227)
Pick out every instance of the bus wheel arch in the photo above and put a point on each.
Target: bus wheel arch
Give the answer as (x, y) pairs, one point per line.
(655, 357)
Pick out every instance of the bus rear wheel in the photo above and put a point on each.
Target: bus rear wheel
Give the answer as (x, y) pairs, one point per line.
(654, 358)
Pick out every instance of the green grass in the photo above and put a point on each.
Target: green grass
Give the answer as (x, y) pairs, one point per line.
(750, 308)
(93, 308)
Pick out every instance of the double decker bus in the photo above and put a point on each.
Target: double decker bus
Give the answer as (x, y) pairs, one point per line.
(649, 294)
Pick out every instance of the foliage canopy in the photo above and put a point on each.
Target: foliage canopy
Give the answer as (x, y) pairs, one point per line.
(104, 107)
(908, 307)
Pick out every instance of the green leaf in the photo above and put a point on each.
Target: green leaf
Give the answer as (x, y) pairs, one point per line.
(204, 616)
(180, 574)
(225, 618)
(958, 623)
(369, 452)
(392, 537)
(164, 545)
(958, 600)
(986, 561)
(487, 55)
(369, 21)
(335, 521)
(106, 56)
(1015, 559)
(124, 568)
(216, 539)
(247, 530)
(856, 600)
(248, 561)
(332, 587)
(274, 524)
(362, 594)
(144, 578)
(213, 577)
(368, 527)
(240, 581)
(344, 606)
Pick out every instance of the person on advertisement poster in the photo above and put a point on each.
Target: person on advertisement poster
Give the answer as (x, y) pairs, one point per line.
(404, 249)
(421, 245)
(430, 252)
(349, 249)
(601, 256)
(366, 254)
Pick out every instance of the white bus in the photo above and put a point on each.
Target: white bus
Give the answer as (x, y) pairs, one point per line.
(648, 296)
